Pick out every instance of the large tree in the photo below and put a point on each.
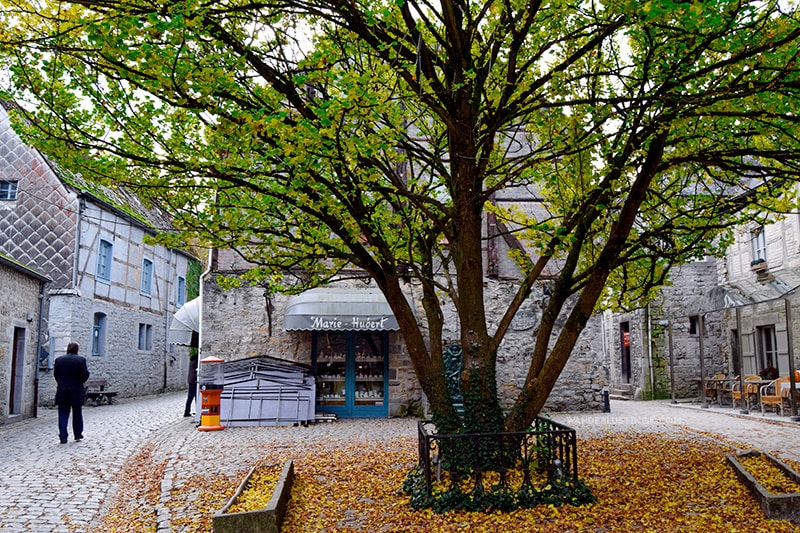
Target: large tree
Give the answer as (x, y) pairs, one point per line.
(317, 135)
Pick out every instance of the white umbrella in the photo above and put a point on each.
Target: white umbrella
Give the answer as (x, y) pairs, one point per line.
(185, 323)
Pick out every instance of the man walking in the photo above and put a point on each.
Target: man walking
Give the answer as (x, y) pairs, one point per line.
(71, 373)
(191, 381)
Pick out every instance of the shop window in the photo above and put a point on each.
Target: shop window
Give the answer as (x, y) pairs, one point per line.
(8, 190)
(351, 370)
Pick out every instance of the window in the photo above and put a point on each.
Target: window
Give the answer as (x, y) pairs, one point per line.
(694, 322)
(147, 276)
(767, 347)
(758, 242)
(145, 337)
(180, 291)
(99, 334)
(105, 253)
(8, 190)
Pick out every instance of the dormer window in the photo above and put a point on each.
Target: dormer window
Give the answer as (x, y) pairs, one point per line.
(8, 190)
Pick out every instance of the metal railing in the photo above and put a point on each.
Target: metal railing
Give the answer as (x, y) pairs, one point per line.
(548, 448)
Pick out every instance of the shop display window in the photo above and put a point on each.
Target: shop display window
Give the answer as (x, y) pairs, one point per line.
(350, 368)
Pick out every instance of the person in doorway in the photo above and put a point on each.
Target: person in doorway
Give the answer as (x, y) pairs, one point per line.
(191, 380)
(71, 373)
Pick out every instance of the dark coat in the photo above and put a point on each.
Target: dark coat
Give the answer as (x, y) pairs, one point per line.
(191, 379)
(71, 373)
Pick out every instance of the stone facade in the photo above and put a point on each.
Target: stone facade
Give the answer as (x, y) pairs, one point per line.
(762, 271)
(19, 333)
(248, 321)
(694, 292)
(580, 386)
(758, 275)
(112, 292)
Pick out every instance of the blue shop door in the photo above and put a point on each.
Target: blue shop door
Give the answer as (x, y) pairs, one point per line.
(351, 369)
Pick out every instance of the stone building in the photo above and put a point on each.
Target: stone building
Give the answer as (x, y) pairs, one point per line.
(739, 300)
(250, 321)
(762, 268)
(639, 340)
(111, 291)
(20, 312)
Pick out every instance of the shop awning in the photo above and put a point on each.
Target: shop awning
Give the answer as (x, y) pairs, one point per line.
(186, 324)
(339, 309)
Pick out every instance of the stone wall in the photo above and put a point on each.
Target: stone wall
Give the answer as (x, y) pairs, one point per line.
(19, 315)
(580, 386)
(693, 291)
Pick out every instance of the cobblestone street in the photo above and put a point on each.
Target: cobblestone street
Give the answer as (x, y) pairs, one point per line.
(53, 487)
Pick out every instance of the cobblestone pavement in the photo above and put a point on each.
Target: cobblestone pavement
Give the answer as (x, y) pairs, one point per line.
(48, 487)
(770, 433)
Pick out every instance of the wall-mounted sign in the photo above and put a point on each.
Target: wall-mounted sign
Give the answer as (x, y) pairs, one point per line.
(525, 319)
(349, 323)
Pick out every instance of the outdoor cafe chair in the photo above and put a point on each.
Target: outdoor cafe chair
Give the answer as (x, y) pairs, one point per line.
(713, 386)
(770, 395)
(750, 391)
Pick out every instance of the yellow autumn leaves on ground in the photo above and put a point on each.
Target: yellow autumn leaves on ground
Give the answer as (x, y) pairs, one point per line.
(643, 483)
(258, 491)
(648, 483)
(768, 474)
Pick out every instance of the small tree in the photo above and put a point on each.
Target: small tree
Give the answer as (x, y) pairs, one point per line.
(312, 135)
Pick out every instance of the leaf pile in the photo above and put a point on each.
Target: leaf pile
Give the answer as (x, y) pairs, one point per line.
(771, 477)
(194, 503)
(258, 490)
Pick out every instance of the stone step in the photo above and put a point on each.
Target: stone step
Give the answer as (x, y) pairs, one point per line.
(623, 391)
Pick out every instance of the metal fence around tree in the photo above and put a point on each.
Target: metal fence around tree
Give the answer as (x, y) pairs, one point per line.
(547, 451)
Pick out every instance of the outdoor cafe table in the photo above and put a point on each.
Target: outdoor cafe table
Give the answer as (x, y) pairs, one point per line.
(714, 383)
(759, 383)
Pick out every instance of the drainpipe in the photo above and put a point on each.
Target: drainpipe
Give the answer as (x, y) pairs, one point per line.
(200, 316)
(166, 315)
(76, 252)
(39, 327)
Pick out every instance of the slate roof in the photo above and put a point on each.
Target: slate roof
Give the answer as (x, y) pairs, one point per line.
(115, 198)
